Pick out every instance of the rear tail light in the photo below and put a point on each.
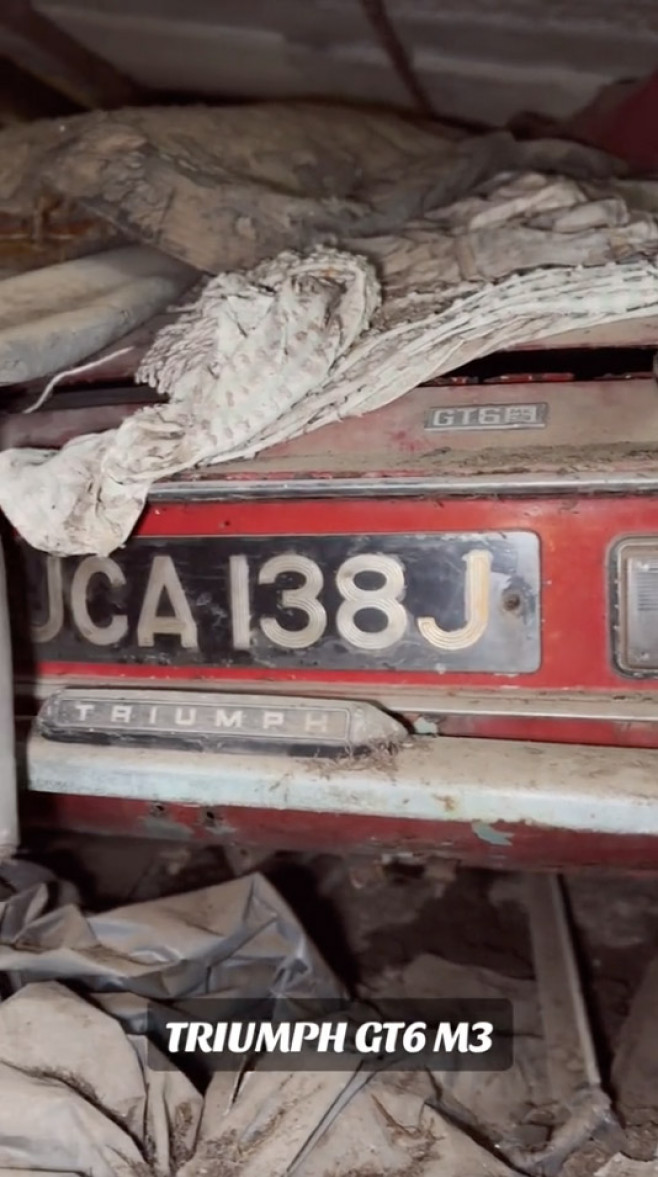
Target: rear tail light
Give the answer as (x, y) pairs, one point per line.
(637, 597)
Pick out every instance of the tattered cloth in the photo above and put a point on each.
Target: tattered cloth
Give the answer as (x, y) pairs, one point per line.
(378, 275)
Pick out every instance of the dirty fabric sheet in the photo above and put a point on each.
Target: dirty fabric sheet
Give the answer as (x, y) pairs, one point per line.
(79, 1095)
(82, 1091)
(338, 288)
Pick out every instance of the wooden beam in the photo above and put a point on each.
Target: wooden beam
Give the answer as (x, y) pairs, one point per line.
(41, 48)
(24, 98)
(380, 21)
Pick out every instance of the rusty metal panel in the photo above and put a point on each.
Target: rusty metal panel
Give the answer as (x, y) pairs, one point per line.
(527, 845)
(575, 538)
(439, 781)
(605, 429)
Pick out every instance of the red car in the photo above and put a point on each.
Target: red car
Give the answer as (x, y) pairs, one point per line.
(429, 630)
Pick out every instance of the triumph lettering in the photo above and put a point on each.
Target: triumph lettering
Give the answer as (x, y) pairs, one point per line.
(121, 713)
(185, 716)
(83, 710)
(230, 720)
(273, 719)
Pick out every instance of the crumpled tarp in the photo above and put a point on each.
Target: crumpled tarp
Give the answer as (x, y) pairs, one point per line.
(622, 1166)
(82, 1091)
(425, 254)
(79, 1089)
(228, 940)
(493, 1104)
(224, 188)
(80, 1096)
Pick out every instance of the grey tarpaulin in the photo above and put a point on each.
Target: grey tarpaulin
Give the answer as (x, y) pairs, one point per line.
(81, 1094)
(77, 1094)
(359, 256)
(496, 1104)
(78, 1091)
(222, 941)
(334, 1125)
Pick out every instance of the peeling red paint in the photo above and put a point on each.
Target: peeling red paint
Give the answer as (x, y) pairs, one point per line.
(529, 846)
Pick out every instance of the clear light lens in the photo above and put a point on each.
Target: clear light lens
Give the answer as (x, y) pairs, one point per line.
(637, 570)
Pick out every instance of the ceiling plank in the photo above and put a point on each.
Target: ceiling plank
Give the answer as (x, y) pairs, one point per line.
(41, 48)
(377, 14)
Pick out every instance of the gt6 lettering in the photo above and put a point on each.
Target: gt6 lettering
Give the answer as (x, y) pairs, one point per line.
(165, 609)
(413, 1037)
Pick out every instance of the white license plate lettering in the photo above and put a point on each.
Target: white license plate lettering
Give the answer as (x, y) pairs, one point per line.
(424, 595)
(166, 610)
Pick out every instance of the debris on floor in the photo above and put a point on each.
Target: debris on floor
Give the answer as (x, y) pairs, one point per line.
(82, 1090)
(333, 1123)
(502, 1104)
(78, 1091)
(583, 1109)
(621, 1166)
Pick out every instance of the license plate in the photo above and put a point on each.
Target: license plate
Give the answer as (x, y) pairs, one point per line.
(424, 602)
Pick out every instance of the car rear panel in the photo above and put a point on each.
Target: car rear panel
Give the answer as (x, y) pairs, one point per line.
(531, 730)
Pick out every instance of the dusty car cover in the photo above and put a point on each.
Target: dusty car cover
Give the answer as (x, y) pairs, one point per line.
(83, 1091)
(391, 255)
(224, 188)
